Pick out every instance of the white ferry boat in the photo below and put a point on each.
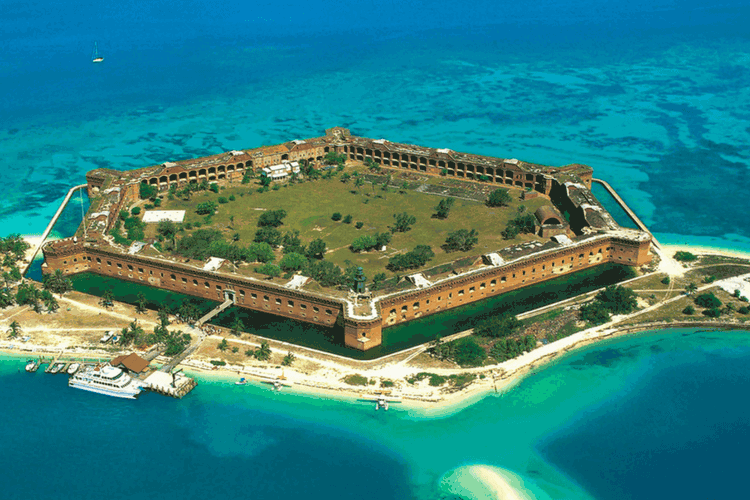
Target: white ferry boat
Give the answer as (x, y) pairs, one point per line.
(107, 380)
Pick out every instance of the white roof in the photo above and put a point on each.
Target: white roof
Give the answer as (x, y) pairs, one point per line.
(111, 190)
(562, 239)
(98, 214)
(444, 151)
(419, 280)
(136, 247)
(160, 215)
(495, 259)
(236, 153)
(297, 282)
(169, 164)
(213, 264)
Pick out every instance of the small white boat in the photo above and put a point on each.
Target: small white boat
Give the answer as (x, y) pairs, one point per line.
(107, 336)
(73, 368)
(241, 381)
(56, 368)
(95, 57)
(32, 365)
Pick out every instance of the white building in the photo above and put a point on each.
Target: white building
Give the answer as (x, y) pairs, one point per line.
(281, 171)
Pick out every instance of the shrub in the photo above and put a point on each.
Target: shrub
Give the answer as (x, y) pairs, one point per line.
(411, 260)
(336, 217)
(272, 218)
(359, 225)
(444, 207)
(364, 243)
(293, 262)
(403, 223)
(214, 187)
(218, 363)
(232, 198)
(743, 310)
(594, 313)
(468, 352)
(462, 240)
(666, 280)
(347, 219)
(618, 299)
(269, 235)
(135, 210)
(147, 191)
(148, 206)
(223, 200)
(707, 300)
(276, 187)
(355, 379)
(689, 310)
(271, 270)
(157, 202)
(495, 327)
(684, 256)
(713, 312)
(499, 198)
(206, 208)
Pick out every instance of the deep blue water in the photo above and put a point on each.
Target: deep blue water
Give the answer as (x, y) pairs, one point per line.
(653, 415)
(652, 94)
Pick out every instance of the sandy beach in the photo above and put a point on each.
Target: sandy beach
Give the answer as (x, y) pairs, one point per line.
(483, 482)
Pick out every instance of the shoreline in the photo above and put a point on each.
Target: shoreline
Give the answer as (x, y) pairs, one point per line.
(430, 405)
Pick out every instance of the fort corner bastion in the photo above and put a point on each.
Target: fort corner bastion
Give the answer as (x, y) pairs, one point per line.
(585, 236)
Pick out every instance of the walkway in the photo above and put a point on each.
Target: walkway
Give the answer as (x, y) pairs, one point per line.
(214, 312)
(627, 209)
(52, 223)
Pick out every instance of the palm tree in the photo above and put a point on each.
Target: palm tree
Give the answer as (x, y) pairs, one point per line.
(237, 326)
(231, 221)
(108, 299)
(14, 329)
(359, 183)
(140, 305)
(691, 288)
(264, 352)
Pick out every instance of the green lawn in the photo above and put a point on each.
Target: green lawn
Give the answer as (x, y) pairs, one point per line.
(309, 206)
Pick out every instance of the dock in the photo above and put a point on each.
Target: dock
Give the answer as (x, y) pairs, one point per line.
(175, 385)
(627, 209)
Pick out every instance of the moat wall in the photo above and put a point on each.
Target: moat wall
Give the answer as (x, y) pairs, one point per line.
(72, 257)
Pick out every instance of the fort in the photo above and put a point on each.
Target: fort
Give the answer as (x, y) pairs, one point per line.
(573, 232)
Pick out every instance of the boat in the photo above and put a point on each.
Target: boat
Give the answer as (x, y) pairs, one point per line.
(107, 380)
(73, 368)
(107, 336)
(56, 368)
(241, 381)
(32, 365)
(95, 57)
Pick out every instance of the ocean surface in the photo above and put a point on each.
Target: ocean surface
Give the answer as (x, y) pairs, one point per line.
(655, 415)
(652, 94)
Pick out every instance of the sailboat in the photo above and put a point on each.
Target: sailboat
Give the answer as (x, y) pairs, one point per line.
(95, 57)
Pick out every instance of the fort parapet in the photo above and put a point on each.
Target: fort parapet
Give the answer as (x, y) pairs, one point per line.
(595, 238)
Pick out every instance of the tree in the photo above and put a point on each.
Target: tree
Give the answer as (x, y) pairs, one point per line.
(292, 242)
(359, 183)
(691, 288)
(132, 334)
(316, 249)
(499, 198)
(189, 312)
(336, 217)
(403, 187)
(689, 310)
(468, 352)
(269, 235)
(147, 191)
(383, 239)
(141, 303)
(167, 229)
(411, 260)
(14, 330)
(237, 326)
(326, 273)
(594, 313)
(462, 240)
(57, 282)
(497, 327)
(108, 299)
(270, 270)
(292, 262)
(263, 352)
(708, 301)
(364, 243)
(206, 208)
(618, 299)
(444, 207)
(223, 345)
(510, 232)
(403, 223)
(345, 177)
(377, 280)
(259, 252)
(334, 158)
(288, 359)
(135, 210)
(347, 219)
(272, 218)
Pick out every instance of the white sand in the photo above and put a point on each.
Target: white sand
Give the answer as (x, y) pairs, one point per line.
(698, 250)
(482, 482)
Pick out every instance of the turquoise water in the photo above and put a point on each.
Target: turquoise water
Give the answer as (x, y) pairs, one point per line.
(634, 417)
(653, 95)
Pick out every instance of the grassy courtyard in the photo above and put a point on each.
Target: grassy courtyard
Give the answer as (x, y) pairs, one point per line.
(310, 206)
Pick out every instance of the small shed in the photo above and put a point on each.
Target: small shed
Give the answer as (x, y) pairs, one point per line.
(131, 362)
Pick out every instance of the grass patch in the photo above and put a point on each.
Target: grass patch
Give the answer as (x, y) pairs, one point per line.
(355, 379)
(309, 206)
